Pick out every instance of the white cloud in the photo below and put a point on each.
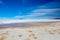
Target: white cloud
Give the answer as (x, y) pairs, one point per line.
(45, 10)
(38, 12)
(18, 17)
(29, 18)
(41, 12)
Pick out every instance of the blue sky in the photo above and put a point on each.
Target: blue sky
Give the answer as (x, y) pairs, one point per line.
(29, 9)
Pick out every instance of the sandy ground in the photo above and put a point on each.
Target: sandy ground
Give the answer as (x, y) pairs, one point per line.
(35, 32)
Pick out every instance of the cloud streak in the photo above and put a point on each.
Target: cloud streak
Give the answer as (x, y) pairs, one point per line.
(41, 13)
(32, 16)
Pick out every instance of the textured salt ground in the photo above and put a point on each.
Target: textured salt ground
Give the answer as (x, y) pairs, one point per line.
(45, 32)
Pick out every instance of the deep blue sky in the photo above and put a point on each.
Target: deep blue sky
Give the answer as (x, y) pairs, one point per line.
(29, 9)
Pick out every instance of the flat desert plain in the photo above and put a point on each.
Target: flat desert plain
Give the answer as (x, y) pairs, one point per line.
(32, 32)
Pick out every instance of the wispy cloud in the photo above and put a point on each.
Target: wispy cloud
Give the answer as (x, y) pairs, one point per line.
(31, 17)
(41, 13)
(18, 17)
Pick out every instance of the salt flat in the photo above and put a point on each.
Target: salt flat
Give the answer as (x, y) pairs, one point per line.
(49, 31)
